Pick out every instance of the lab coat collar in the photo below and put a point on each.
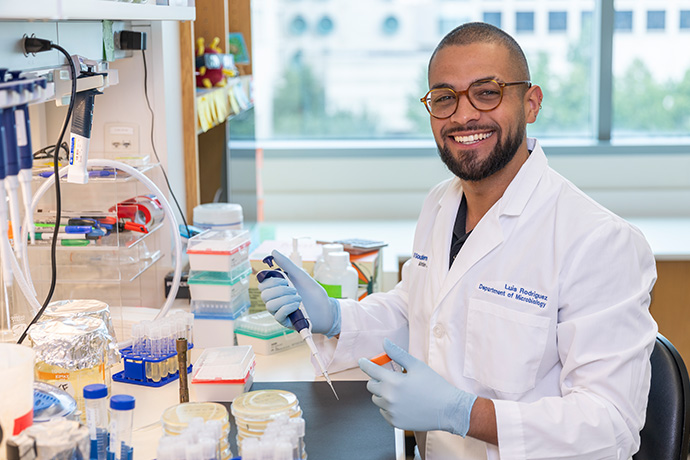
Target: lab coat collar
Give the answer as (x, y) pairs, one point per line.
(519, 190)
(488, 233)
(525, 181)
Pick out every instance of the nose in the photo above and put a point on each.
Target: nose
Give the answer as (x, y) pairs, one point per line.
(465, 112)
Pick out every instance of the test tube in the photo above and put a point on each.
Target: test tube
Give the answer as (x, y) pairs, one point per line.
(299, 426)
(147, 350)
(282, 450)
(138, 339)
(209, 448)
(168, 349)
(156, 352)
(121, 421)
(96, 402)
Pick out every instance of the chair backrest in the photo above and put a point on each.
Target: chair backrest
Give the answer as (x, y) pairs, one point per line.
(666, 433)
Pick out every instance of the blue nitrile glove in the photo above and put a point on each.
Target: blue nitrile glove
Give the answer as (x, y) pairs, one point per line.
(281, 299)
(419, 400)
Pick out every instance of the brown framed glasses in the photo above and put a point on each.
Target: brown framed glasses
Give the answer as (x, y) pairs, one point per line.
(484, 95)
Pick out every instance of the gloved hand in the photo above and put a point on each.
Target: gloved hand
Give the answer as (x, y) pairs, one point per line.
(419, 400)
(281, 299)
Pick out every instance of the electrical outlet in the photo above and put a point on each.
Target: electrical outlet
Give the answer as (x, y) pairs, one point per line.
(122, 138)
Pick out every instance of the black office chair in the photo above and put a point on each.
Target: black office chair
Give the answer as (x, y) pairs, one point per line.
(666, 433)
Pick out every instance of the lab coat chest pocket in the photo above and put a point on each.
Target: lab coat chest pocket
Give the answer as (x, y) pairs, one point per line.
(504, 347)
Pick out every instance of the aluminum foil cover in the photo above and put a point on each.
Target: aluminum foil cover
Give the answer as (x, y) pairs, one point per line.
(78, 308)
(73, 343)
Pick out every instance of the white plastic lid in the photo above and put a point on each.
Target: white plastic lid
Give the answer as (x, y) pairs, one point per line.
(338, 260)
(224, 365)
(212, 214)
(331, 247)
(218, 242)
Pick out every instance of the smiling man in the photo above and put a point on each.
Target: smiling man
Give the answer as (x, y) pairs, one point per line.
(525, 307)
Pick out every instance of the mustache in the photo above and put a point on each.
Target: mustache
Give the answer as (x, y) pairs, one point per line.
(460, 130)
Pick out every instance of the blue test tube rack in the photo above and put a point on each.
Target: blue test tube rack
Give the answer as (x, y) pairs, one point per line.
(135, 368)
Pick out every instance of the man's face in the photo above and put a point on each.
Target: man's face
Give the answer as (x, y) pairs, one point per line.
(473, 144)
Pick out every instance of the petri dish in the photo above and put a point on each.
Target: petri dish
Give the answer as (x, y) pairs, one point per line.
(176, 418)
(264, 405)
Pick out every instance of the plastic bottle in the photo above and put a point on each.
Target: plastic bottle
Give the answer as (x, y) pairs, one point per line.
(321, 261)
(121, 421)
(96, 402)
(338, 277)
(295, 256)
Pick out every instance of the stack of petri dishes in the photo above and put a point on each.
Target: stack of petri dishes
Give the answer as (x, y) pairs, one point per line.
(175, 420)
(253, 411)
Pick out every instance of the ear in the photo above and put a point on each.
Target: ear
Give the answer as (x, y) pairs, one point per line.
(533, 98)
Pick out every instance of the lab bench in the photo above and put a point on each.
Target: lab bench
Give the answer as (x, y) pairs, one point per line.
(290, 370)
(668, 239)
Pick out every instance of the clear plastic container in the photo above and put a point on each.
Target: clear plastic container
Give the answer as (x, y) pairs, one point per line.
(219, 286)
(255, 410)
(266, 335)
(221, 374)
(176, 419)
(51, 402)
(121, 421)
(96, 402)
(218, 250)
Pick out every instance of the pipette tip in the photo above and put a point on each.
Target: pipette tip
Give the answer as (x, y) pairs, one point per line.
(331, 385)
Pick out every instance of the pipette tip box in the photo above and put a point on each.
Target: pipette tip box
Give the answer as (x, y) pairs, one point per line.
(223, 373)
(264, 333)
(219, 286)
(218, 250)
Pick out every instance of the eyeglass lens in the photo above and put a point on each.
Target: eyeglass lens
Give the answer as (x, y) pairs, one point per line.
(483, 95)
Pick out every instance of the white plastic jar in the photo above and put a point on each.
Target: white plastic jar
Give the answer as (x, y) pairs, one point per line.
(338, 277)
(218, 216)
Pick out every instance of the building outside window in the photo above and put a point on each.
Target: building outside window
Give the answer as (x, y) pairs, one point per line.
(623, 21)
(298, 26)
(685, 19)
(492, 17)
(390, 25)
(558, 21)
(316, 80)
(656, 20)
(524, 21)
(325, 26)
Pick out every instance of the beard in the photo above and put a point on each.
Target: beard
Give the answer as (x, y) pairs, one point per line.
(468, 167)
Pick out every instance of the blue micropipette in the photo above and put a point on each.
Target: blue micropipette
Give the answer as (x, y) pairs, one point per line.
(299, 320)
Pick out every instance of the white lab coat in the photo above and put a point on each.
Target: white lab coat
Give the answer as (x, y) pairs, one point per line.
(544, 311)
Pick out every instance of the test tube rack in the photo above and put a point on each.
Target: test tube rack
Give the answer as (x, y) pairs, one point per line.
(135, 368)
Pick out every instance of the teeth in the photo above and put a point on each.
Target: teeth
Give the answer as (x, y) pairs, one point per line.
(472, 138)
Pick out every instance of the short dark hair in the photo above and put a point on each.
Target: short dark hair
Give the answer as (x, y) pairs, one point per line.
(481, 32)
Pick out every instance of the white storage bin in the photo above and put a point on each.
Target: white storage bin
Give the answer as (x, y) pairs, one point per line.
(221, 374)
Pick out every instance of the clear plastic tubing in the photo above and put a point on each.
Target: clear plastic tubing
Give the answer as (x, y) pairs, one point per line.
(96, 402)
(121, 421)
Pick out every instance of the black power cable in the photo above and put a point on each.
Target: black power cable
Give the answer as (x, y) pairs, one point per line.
(153, 145)
(33, 45)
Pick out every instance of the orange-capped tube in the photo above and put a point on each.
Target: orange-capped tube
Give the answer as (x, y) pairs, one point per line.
(381, 359)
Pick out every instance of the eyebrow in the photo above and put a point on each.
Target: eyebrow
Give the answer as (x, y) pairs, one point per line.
(448, 85)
